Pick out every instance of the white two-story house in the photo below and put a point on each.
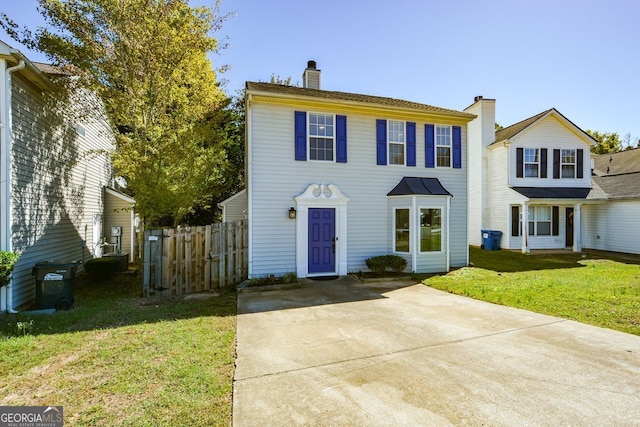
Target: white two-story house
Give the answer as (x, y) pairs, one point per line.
(334, 178)
(529, 181)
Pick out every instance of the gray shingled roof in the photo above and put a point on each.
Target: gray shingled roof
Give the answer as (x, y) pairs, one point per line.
(553, 192)
(622, 162)
(353, 97)
(618, 174)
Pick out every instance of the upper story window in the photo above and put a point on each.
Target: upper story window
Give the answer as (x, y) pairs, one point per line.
(531, 163)
(568, 163)
(396, 139)
(443, 146)
(321, 137)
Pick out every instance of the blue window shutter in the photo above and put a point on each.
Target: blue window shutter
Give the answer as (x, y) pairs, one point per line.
(429, 139)
(457, 147)
(301, 135)
(381, 141)
(341, 139)
(411, 144)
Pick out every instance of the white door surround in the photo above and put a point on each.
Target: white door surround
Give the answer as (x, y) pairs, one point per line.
(321, 196)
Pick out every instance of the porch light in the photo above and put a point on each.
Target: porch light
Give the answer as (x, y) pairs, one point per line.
(292, 213)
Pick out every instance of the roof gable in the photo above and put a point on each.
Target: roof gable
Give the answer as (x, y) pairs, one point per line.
(516, 129)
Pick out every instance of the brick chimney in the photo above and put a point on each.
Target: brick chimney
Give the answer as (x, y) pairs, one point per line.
(311, 76)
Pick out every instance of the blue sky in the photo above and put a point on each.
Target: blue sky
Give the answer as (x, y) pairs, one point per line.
(581, 57)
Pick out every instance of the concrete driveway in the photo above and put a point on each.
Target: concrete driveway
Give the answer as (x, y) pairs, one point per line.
(345, 353)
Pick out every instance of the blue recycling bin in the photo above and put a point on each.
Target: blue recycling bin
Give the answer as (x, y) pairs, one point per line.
(491, 239)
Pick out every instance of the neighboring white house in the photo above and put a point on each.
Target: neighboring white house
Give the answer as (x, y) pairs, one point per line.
(234, 208)
(536, 172)
(119, 228)
(615, 224)
(334, 178)
(53, 168)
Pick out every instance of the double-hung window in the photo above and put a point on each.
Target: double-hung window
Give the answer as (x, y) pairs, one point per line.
(321, 136)
(568, 163)
(443, 146)
(531, 163)
(396, 138)
(540, 220)
(402, 238)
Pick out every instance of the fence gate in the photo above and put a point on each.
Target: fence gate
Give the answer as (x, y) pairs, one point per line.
(194, 259)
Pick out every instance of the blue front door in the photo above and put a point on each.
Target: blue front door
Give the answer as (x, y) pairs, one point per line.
(322, 233)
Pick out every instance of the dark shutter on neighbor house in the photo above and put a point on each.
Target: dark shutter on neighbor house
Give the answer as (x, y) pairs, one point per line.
(543, 163)
(556, 164)
(579, 163)
(341, 139)
(515, 221)
(300, 135)
(519, 162)
(457, 147)
(381, 141)
(555, 217)
(411, 144)
(429, 140)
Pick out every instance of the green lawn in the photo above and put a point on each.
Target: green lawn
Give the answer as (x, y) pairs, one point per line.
(601, 292)
(115, 359)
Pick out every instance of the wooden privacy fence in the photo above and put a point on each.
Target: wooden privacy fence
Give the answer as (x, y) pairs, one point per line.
(194, 259)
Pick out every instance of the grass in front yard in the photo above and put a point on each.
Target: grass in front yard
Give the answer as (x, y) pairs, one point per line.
(601, 292)
(115, 359)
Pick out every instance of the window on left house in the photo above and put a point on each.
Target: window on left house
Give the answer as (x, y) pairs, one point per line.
(321, 136)
(396, 140)
(443, 146)
(402, 238)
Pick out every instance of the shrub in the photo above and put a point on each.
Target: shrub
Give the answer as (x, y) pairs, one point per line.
(290, 277)
(8, 260)
(380, 264)
(396, 263)
(102, 268)
(377, 264)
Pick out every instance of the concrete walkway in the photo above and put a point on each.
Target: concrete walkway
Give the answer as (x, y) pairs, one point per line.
(344, 353)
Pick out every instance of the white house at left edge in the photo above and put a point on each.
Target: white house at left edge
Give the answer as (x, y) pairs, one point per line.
(54, 169)
(334, 178)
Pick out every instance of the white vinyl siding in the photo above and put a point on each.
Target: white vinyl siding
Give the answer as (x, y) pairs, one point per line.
(612, 226)
(235, 207)
(57, 185)
(369, 222)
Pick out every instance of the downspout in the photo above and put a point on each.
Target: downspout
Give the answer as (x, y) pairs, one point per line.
(5, 181)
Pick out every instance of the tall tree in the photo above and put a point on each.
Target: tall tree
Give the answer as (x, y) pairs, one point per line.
(147, 60)
(608, 142)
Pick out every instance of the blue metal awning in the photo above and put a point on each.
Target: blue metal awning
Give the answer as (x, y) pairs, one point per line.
(419, 186)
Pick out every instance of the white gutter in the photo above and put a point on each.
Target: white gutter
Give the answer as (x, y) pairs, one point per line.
(5, 175)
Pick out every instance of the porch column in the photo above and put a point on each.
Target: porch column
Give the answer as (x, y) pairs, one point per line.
(525, 227)
(577, 228)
